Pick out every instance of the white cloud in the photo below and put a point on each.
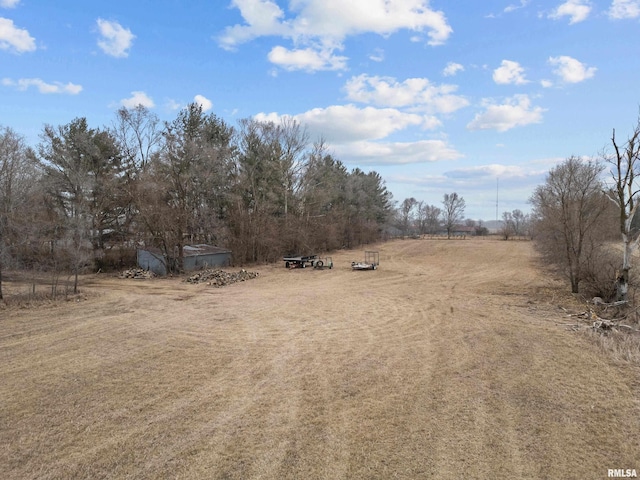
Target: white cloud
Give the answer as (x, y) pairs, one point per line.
(396, 153)
(15, 39)
(509, 72)
(377, 55)
(513, 7)
(352, 132)
(452, 69)
(571, 70)
(334, 20)
(137, 98)
(115, 39)
(306, 59)
(577, 10)
(348, 123)
(262, 17)
(516, 111)
(546, 83)
(42, 86)
(492, 171)
(204, 102)
(323, 25)
(412, 92)
(621, 9)
(9, 3)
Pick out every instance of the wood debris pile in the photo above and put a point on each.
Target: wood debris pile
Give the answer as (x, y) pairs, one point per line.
(137, 273)
(594, 321)
(220, 278)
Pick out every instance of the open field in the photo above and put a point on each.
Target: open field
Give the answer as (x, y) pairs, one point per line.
(450, 361)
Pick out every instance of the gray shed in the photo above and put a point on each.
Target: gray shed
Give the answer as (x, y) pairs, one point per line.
(194, 257)
(152, 259)
(197, 257)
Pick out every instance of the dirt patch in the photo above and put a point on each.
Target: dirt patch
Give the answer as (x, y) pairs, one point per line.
(449, 361)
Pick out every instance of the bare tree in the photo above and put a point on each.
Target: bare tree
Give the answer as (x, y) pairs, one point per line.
(407, 208)
(453, 211)
(139, 137)
(293, 141)
(18, 176)
(432, 216)
(508, 225)
(623, 193)
(514, 223)
(567, 209)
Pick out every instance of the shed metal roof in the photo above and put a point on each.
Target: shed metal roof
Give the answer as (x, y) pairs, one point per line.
(202, 249)
(192, 250)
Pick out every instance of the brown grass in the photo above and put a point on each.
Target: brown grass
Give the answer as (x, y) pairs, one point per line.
(449, 361)
(621, 345)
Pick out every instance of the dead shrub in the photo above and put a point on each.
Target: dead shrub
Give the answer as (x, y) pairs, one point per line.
(599, 273)
(621, 345)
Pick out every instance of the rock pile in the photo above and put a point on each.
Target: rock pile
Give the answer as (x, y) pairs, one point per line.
(220, 278)
(136, 273)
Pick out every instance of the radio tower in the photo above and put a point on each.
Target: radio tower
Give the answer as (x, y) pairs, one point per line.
(497, 180)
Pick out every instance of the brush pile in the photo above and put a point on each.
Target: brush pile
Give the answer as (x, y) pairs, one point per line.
(137, 273)
(220, 278)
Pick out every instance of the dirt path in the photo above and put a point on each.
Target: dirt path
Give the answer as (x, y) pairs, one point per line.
(447, 362)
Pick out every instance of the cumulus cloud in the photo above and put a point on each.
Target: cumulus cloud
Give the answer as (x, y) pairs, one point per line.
(137, 98)
(576, 10)
(42, 86)
(9, 3)
(516, 111)
(204, 102)
(306, 59)
(396, 153)
(348, 123)
(452, 69)
(509, 72)
(323, 25)
(417, 93)
(357, 135)
(115, 40)
(571, 70)
(14, 39)
(262, 17)
(621, 9)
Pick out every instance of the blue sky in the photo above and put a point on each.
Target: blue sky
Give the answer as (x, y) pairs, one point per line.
(481, 98)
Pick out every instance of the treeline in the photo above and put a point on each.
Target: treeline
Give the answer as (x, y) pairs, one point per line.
(89, 196)
(582, 210)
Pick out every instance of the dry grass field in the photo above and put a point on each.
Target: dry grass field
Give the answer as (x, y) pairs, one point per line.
(450, 361)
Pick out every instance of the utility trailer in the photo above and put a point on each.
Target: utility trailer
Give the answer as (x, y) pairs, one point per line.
(299, 261)
(326, 262)
(371, 261)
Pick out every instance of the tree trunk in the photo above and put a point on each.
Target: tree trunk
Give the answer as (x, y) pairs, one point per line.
(622, 286)
(622, 282)
(575, 284)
